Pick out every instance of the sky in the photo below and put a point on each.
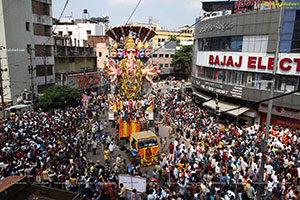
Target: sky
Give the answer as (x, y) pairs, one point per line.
(170, 14)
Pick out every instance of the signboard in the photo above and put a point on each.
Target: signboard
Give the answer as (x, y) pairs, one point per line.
(280, 111)
(83, 80)
(133, 182)
(288, 64)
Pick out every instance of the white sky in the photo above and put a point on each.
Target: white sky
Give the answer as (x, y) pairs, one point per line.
(170, 14)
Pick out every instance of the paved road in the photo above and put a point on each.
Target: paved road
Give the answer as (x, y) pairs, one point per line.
(163, 131)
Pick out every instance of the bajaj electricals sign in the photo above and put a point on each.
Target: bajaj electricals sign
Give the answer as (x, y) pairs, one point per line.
(288, 64)
(242, 5)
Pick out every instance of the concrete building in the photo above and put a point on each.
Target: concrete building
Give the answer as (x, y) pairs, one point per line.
(72, 59)
(79, 30)
(164, 56)
(26, 25)
(101, 48)
(233, 60)
(183, 34)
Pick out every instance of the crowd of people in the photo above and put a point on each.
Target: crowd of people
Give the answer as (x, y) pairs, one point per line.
(204, 159)
(222, 160)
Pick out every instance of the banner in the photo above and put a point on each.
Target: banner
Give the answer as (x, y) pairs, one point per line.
(85, 101)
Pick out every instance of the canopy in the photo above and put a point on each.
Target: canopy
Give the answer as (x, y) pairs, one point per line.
(202, 96)
(226, 106)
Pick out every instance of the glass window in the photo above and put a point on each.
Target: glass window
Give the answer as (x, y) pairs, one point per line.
(249, 79)
(236, 42)
(147, 142)
(243, 78)
(264, 81)
(286, 83)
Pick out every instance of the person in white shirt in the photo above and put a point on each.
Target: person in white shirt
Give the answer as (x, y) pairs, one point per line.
(269, 169)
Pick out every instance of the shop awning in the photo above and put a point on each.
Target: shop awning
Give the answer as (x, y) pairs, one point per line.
(226, 106)
(202, 96)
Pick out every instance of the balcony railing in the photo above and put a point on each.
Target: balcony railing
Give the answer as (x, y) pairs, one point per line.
(73, 51)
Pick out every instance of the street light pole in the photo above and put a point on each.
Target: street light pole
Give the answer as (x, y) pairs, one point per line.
(1, 88)
(270, 105)
(217, 109)
(29, 50)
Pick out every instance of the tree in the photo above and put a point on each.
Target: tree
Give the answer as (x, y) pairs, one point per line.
(183, 57)
(174, 38)
(59, 96)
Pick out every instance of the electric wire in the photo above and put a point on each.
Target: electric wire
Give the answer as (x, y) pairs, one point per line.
(133, 11)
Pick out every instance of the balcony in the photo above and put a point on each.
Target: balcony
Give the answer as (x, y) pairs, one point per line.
(65, 51)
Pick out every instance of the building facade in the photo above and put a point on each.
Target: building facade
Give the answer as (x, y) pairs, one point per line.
(184, 34)
(101, 47)
(164, 56)
(26, 28)
(72, 60)
(233, 60)
(78, 30)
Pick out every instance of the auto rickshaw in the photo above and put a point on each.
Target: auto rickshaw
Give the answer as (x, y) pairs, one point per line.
(147, 145)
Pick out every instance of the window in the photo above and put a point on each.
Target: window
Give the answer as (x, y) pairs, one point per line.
(88, 32)
(161, 55)
(70, 32)
(166, 65)
(42, 30)
(40, 8)
(172, 55)
(154, 55)
(264, 81)
(166, 55)
(99, 54)
(41, 70)
(161, 66)
(42, 50)
(296, 34)
(221, 43)
(286, 83)
(27, 25)
(236, 43)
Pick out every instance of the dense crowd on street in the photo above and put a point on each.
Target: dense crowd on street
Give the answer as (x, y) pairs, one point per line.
(222, 160)
(129, 110)
(205, 160)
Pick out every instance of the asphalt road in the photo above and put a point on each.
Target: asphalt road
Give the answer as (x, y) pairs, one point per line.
(163, 132)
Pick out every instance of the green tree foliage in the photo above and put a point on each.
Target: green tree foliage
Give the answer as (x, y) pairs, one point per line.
(59, 96)
(174, 38)
(183, 57)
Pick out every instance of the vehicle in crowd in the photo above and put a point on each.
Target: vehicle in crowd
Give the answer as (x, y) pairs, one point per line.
(16, 109)
(146, 144)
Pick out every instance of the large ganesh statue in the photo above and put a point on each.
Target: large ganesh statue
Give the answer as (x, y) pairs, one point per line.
(130, 66)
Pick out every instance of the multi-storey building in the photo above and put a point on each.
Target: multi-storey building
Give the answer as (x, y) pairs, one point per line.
(26, 32)
(233, 60)
(184, 34)
(78, 30)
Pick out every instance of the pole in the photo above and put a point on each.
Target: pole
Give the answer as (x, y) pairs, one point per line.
(270, 105)
(99, 80)
(29, 49)
(45, 57)
(217, 109)
(2, 92)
